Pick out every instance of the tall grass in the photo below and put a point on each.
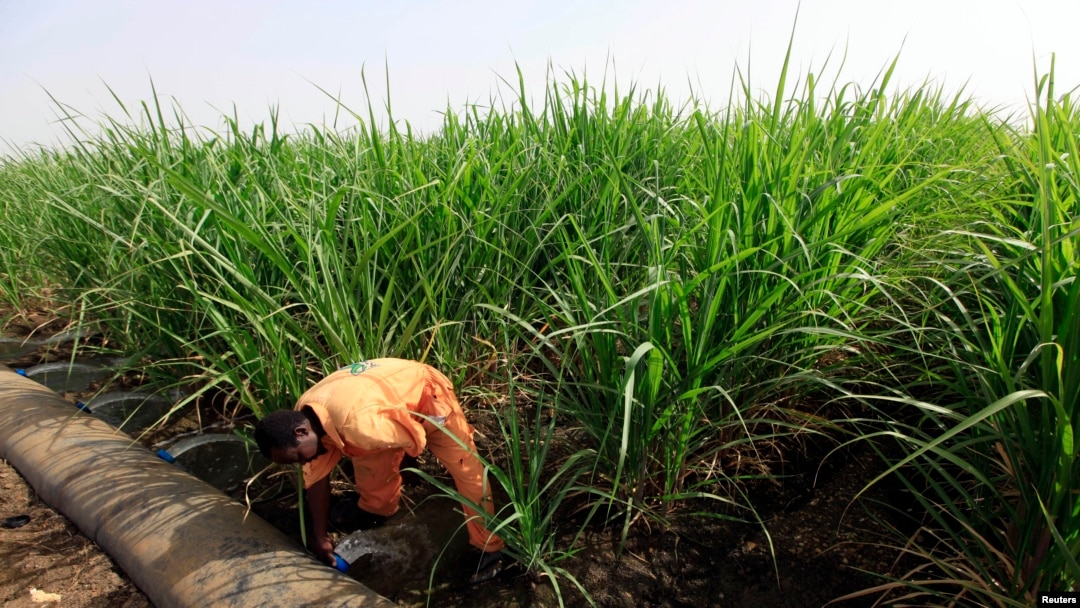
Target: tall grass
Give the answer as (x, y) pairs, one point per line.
(690, 313)
(23, 271)
(993, 462)
(707, 287)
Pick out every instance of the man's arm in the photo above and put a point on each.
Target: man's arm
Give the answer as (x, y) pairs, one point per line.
(319, 500)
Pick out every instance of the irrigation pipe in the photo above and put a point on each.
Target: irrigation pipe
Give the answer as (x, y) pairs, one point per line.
(180, 540)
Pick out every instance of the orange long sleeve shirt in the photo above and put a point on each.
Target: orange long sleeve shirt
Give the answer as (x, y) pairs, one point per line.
(366, 407)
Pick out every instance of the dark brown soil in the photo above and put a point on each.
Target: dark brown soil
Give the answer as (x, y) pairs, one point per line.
(817, 548)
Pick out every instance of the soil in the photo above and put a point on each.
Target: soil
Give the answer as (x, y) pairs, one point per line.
(51, 555)
(822, 545)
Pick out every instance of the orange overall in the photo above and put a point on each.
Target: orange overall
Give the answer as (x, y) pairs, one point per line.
(369, 413)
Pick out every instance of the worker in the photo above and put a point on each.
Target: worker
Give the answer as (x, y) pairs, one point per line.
(375, 412)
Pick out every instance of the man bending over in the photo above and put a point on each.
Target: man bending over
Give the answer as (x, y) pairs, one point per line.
(375, 412)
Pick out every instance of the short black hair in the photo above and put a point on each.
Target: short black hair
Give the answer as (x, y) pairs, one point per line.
(276, 430)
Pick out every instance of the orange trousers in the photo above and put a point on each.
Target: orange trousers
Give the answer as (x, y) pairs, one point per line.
(378, 474)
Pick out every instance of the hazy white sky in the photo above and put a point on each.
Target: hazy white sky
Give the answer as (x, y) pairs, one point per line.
(212, 55)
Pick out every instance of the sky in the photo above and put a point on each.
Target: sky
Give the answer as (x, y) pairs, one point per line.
(242, 57)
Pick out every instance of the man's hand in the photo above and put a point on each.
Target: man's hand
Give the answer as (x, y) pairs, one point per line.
(324, 550)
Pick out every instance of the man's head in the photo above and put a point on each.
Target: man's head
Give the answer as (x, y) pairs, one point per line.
(287, 437)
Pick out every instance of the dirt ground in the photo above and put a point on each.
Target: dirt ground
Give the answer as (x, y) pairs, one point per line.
(822, 544)
(51, 555)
